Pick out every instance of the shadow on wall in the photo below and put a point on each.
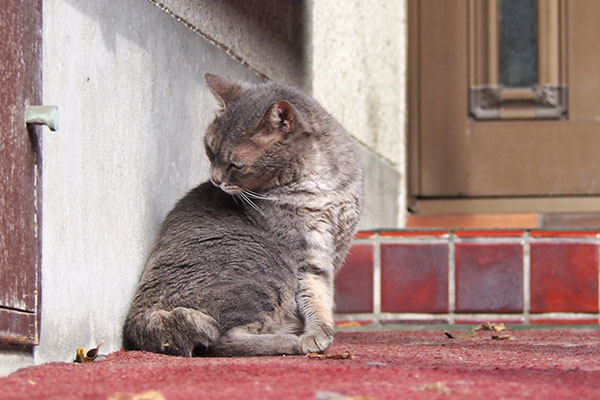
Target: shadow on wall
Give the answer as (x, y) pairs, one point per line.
(270, 36)
(128, 80)
(179, 113)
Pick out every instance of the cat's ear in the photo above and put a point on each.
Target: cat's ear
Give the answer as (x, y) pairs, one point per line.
(224, 89)
(281, 116)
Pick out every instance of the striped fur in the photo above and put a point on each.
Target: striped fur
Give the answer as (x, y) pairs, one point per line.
(244, 264)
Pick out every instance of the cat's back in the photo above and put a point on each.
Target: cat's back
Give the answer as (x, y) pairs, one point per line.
(208, 224)
(209, 255)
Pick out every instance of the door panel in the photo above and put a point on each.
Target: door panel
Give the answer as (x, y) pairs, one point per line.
(20, 82)
(458, 157)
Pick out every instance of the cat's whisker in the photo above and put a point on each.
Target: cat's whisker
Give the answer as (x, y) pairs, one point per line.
(250, 203)
(259, 196)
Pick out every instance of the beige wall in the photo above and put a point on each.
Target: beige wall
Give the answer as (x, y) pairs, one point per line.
(358, 69)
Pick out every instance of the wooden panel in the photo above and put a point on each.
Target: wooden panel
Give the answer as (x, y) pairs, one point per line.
(413, 95)
(20, 80)
(463, 158)
(443, 96)
(488, 99)
(551, 41)
(486, 205)
(583, 60)
(18, 327)
(533, 158)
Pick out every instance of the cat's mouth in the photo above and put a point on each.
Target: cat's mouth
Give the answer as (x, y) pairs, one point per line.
(229, 188)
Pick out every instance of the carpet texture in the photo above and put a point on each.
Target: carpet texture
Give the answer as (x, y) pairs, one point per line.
(532, 364)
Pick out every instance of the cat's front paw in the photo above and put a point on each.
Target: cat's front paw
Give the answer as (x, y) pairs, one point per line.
(316, 342)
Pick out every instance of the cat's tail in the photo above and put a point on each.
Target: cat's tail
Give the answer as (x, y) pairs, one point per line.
(181, 331)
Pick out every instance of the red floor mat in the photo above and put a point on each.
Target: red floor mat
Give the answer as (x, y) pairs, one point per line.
(533, 364)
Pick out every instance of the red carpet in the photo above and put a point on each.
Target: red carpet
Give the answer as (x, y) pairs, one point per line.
(535, 364)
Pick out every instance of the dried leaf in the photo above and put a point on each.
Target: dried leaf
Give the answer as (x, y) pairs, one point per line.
(502, 337)
(343, 356)
(463, 335)
(82, 356)
(488, 326)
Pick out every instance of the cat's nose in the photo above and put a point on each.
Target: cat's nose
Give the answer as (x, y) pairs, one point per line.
(216, 178)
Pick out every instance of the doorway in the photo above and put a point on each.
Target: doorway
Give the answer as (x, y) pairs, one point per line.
(504, 107)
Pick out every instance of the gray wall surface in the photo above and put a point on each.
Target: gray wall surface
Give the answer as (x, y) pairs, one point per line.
(128, 81)
(271, 37)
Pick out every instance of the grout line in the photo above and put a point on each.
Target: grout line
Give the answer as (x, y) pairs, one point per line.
(463, 316)
(564, 315)
(558, 239)
(451, 277)
(377, 277)
(491, 240)
(527, 278)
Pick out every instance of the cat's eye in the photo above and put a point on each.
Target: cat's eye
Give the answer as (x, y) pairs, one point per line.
(235, 166)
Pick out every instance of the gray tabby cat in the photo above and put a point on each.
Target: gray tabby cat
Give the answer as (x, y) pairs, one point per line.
(244, 264)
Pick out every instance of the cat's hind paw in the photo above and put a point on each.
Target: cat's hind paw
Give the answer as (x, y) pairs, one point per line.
(183, 332)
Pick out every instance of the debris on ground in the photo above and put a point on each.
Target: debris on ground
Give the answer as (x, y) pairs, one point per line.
(487, 326)
(503, 337)
(341, 356)
(83, 357)
(540, 363)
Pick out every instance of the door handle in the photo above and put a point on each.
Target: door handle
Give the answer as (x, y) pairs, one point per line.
(42, 115)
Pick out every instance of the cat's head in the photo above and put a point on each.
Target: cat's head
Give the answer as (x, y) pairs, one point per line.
(257, 138)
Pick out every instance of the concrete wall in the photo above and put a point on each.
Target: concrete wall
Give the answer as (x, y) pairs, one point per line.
(358, 69)
(128, 81)
(269, 37)
(127, 78)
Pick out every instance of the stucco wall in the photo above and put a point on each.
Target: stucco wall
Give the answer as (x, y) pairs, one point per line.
(358, 70)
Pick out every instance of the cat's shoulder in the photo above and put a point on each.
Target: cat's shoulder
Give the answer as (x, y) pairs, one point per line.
(206, 197)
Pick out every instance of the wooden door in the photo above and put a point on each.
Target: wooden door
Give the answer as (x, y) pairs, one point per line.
(20, 82)
(521, 148)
